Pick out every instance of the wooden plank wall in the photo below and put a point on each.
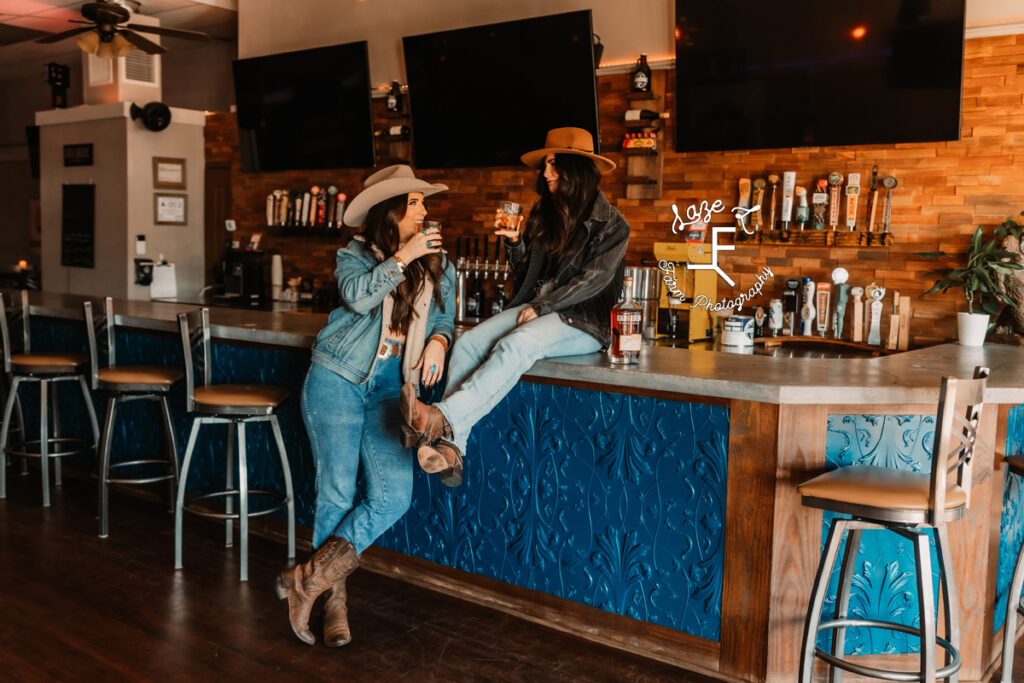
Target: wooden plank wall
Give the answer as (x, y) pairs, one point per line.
(945, 189)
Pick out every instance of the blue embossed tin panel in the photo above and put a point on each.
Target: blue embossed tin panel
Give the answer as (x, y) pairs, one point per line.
(610, 500)
(1011, 528)
(884, 585)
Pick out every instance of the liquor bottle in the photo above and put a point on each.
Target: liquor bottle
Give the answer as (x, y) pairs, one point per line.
(394, 99)
(626, 322)
(645, 115)
(399, 131)
(640, 77)
(500, 300)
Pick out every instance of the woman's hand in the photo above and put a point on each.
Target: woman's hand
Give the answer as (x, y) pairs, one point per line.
(501, 225)
(432, 363)
(422, 243)
(526, 315)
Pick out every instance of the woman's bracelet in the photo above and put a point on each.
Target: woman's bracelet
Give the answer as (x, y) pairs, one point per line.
(438, 337)
(400, 263)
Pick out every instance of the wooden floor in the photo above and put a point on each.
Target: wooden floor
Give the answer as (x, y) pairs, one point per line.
(74, 607)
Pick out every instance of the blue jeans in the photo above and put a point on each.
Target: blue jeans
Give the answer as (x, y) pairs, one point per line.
(489, 359)
(351, 425)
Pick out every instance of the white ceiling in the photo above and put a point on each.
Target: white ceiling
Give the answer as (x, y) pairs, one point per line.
(217, 18)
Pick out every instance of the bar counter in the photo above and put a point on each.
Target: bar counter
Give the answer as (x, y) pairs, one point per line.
(653, 507)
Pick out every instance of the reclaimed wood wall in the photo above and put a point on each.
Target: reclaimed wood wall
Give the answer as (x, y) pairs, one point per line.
(945, 190)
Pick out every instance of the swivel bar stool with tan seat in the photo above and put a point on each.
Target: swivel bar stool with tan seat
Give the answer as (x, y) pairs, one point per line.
(234, 405)
(1015, 463)
(123, 384)
(907, 503)
(46, 367)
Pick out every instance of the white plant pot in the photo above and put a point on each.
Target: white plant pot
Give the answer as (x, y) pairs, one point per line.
(972, 328)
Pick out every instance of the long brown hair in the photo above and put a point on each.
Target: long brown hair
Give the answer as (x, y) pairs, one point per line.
(555, 217)
(381, 230)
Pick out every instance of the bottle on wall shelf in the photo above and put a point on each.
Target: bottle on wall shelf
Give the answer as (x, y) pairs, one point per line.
(394, 98)
(640, 77)
(645, 115)
(626, 324)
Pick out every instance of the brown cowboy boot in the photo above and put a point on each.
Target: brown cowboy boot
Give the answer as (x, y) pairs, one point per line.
(303, 583)
(423, 424)
(445, 459)
(336, 631)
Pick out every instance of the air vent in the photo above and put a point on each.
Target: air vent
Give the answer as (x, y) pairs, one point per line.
(139, 67)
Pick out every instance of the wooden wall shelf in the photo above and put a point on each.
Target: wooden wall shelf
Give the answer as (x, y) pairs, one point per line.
(653, 124)
(817, 238)
(644, 166)
(639, 96)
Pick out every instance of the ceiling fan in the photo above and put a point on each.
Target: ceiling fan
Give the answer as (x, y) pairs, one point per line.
(103, 34)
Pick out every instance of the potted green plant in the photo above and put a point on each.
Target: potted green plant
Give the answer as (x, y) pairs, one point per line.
(979, 278)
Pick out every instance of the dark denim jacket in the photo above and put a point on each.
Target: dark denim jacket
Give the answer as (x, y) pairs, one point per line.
(588, 281)
(349, 343)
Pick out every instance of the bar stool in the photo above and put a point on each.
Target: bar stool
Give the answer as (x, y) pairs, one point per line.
(17, 416)
(1014, 604)
(234, 405)
(46, 368)
(123, 384)
(907, 503)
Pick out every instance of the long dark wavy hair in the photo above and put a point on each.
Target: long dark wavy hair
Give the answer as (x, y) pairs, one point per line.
(381, 229)
(554, 217)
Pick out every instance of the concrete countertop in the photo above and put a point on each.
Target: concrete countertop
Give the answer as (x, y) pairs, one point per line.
(905, 378)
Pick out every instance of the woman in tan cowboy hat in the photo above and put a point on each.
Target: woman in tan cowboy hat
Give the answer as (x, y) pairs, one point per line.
(395, 324)
(567, 264)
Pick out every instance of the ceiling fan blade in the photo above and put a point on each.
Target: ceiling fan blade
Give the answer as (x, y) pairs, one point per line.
(56, 37)
(144, 44)
(169, 32)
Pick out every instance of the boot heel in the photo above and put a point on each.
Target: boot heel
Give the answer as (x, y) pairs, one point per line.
(410, 438)
(280, 588)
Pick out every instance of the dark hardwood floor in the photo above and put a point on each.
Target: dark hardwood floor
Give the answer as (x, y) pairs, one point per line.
(75, 607)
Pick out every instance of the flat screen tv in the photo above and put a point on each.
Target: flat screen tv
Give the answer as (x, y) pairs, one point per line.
(305, 110)
(760, 75)
(482, 96)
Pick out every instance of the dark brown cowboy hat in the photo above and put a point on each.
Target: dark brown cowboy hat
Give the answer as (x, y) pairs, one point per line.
(568, 141)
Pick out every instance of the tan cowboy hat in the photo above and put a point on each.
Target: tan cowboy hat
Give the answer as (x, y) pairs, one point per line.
(388, 182)
(568, 141)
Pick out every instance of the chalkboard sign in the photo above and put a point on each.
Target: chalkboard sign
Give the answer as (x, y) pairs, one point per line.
(78, 223)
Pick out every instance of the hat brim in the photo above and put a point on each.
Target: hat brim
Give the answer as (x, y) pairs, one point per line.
(535, 158)
(359, 207)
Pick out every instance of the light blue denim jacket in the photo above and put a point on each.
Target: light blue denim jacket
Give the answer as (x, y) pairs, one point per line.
(349, 343)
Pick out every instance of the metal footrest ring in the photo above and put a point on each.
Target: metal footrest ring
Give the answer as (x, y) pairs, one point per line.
(139, 480)
(189, 506)
(885, 674)
(22, 449)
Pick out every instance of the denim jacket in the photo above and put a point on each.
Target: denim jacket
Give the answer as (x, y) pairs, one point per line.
(349, 343)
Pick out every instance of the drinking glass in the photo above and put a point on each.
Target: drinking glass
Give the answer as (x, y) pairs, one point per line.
(510, 213)
(427, 225)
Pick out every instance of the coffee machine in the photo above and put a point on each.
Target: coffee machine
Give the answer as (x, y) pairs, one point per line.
(245, 277)
(692, 284)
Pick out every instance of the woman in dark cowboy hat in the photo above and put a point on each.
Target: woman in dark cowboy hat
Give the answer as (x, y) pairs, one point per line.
(395, 324)
(567, 264)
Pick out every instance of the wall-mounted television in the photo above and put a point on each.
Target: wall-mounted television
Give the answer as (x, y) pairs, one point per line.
(483, 96)
(305, 110)
(796, 74)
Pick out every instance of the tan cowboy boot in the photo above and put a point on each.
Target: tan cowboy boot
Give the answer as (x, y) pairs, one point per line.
(336, 631)
(423, 424)
(303, 583)
(444, 458)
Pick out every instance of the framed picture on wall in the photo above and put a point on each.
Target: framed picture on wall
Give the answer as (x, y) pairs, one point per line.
(168, 173)
(170, 209)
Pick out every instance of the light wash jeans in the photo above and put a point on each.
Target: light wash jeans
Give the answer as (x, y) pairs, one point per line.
(348, 425)
(489, 359)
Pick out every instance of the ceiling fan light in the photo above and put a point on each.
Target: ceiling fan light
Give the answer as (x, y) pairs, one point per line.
(106, 51)
(88, 42)
(121, 45)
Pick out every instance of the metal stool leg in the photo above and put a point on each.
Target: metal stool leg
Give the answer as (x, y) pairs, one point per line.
(5, 431)
(19, 413)
(44, 440)
(947, 580)
(1010, 627)
(229, 478)
(179, 505)
(90, 409)
(104, 464)
(55, 421)
(835, 536)
(172, 449)
(286, 470)
(243, 504)
(843, 598)
(923, 562)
